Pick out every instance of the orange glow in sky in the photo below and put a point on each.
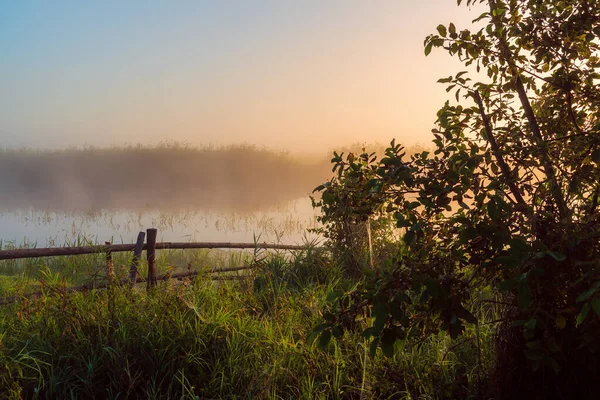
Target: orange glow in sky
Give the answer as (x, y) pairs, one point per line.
(302, 76)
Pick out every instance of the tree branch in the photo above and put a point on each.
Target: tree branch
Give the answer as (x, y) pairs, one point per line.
(594, 200)
(496, 151)
(533, 124)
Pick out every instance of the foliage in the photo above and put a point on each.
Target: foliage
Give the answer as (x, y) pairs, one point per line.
(353, 218)
(244, 339)
(509, 198)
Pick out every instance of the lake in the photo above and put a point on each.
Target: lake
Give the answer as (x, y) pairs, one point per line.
(285, 223)
(233, 193)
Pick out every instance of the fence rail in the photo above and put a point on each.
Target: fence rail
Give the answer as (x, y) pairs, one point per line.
(119, 248)
(151, 246)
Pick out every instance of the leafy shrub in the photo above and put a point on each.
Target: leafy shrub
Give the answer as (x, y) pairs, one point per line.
(508, 199)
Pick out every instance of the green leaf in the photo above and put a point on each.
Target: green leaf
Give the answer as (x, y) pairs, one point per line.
(425, 296)
(561, 322)
(582, 314)
(311, 337)
(495, 169)
(367, 333)
(467, 234)
(536, 271)
(452, 29)
(324, 339)
(596, 306)
(587, 294)
(398, 314)
(524, 297)
(337, 331)
(401, 296)
(557, 256)
(373, 346)
(461, 73)
(466, 315)
(496, 12)
(482, 16)
(596, 156)
(442, 30)
(456, 329)
(409, 237)
(412, 205)
(387, 343)
(320, 328)
(518, 246)
(315, 332)
(380, 314)
(508, 261)
(428, 48)
(493, 211)
(329, 317)
(334, 295)
(328, 197)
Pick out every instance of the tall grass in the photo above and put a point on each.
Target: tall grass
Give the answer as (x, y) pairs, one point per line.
(23, 276)
(242, 339)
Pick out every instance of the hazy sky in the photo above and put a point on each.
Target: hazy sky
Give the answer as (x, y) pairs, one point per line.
(299, 75)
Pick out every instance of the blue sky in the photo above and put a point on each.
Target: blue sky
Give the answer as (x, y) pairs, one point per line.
(298, 75)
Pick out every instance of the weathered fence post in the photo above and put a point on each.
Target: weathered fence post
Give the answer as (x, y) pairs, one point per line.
(151, 256)
(135, 261)
(110, 266)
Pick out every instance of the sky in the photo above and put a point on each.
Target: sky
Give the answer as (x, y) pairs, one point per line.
(302, 75)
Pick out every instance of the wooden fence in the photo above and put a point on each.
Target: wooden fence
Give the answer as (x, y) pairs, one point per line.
(137, 248)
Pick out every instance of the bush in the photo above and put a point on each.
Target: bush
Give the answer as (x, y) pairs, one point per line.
(508, 199)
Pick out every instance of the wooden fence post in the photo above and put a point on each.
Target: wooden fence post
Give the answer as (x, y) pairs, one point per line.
(151, 256)
(135, 261)
(110, 266)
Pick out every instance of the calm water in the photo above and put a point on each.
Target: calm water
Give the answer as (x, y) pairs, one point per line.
(286, 224)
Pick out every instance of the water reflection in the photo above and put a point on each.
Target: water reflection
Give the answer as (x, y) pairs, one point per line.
(52, 198)
(284, 223)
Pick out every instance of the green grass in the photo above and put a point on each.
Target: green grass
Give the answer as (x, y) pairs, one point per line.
(233, 340)
(22, 276)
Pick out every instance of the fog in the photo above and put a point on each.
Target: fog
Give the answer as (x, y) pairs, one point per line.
(230, 193)
(170, 177)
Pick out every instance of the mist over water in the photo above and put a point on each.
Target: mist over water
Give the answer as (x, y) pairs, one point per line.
(236, 193)
(287, 223)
